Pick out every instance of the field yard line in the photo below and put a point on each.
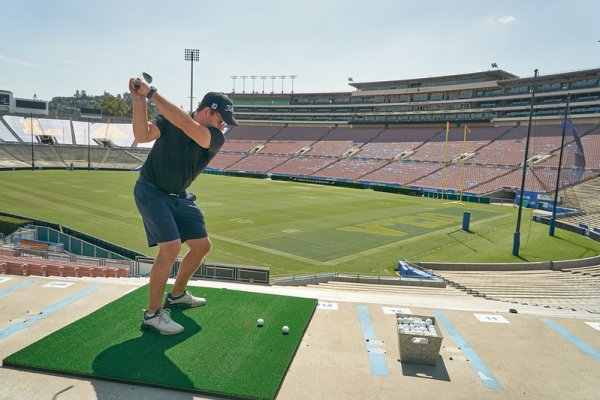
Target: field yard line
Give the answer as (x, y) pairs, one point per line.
(314, 223)
(68, 199)
(40, 203)
(265, 249)
(373, 250)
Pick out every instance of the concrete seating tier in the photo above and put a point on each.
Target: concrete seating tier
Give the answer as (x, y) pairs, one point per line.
(300, 133)
(243, 146)
(25, 266)
(401, 172)
(258, 163)
(331, 148)
(284, 147)
(356, 135)
(459, 178)
(248, 132)
(351, 169)
(225, 160)
(386, 151)
(303, 165)
(570, 288)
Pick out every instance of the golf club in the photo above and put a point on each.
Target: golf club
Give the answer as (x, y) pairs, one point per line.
(145, 76)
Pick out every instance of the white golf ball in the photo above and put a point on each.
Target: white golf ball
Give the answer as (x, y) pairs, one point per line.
(285, 329)
(260, 322)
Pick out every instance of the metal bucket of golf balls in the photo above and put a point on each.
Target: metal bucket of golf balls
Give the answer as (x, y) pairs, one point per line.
(419, 339)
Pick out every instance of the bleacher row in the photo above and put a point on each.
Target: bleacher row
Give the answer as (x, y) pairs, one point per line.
(67, 132)
(25, 266)
(567, 288)
(408, 156)
(418, 157)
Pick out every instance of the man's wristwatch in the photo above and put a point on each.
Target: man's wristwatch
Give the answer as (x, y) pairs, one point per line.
(150, 92)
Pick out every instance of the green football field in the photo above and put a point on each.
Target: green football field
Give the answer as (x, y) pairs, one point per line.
(294, 228)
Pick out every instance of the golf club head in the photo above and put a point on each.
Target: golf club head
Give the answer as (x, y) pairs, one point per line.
(145, 76)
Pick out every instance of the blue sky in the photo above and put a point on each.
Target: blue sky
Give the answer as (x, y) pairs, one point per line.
(53, 48)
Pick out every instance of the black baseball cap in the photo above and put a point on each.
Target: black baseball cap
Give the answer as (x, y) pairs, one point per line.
(222, 104)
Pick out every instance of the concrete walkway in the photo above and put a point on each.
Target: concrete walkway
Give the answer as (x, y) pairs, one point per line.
(487, 352)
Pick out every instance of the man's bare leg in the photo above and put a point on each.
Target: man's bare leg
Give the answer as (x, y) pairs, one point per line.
(167, 254)
(199, 248)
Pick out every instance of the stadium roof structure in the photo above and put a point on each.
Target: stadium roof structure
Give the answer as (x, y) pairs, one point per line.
(446, 80)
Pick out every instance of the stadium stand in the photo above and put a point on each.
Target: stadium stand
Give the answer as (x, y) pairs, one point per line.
(402, 172)
(224, 160)
(385, 133)
(5, 134)
(103, 134)
(23, 127)
(303, 165)
(25, 266)
(350, 169)
(258, 163)
(575, 288)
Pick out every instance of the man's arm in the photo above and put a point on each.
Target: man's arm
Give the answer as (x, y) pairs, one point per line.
(143, 131)
(178, 117)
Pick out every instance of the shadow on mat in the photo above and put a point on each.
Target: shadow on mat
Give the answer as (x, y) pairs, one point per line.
(146, 359)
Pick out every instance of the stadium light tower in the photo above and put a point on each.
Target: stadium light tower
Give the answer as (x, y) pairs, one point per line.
(253, 77)
(282, 77)
(263, 77)
(32, 152)
(273, 83)
(292, 77)
(89, 147)
(192, 55)
(243, 77)
(234, 77)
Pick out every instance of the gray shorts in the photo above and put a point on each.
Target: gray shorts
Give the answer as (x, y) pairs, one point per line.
(168, 217)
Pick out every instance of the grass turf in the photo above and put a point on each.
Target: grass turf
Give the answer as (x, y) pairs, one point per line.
(294, 228)
(221, 352)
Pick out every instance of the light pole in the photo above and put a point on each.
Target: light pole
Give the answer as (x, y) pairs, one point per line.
(89, 148)
(292, 77)
(253, 77)
(263, 77)
(282, 77)
(273, 83)
(234, 77)
(192, 55)
(243, 78)
(32, 154)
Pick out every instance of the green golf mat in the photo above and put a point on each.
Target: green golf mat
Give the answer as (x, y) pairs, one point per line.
(221, 352)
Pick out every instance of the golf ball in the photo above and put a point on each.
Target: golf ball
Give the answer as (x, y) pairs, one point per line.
(285, 329)
(260, 322)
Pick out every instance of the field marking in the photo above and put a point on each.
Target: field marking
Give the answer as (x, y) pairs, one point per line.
(264, 249)
(396, 310)
(342, 259)
(18, 286)
(6, 332)
(497, 319)
(580, 344)
(373, 250)
(63, 200)
(374, 350)
(325, 305)
(484, 374)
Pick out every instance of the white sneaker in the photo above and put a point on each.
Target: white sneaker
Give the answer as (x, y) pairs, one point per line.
(161, 322)
(185, 300)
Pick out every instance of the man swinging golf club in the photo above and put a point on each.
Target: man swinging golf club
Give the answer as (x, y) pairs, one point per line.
(185, 143)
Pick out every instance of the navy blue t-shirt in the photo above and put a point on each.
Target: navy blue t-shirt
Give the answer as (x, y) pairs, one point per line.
(175, 159)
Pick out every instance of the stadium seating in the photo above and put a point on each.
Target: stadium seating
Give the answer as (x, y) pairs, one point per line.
(575, 288)
(410, 156)
(25, 266)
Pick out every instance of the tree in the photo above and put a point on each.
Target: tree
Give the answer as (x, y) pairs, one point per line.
(113, 106)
